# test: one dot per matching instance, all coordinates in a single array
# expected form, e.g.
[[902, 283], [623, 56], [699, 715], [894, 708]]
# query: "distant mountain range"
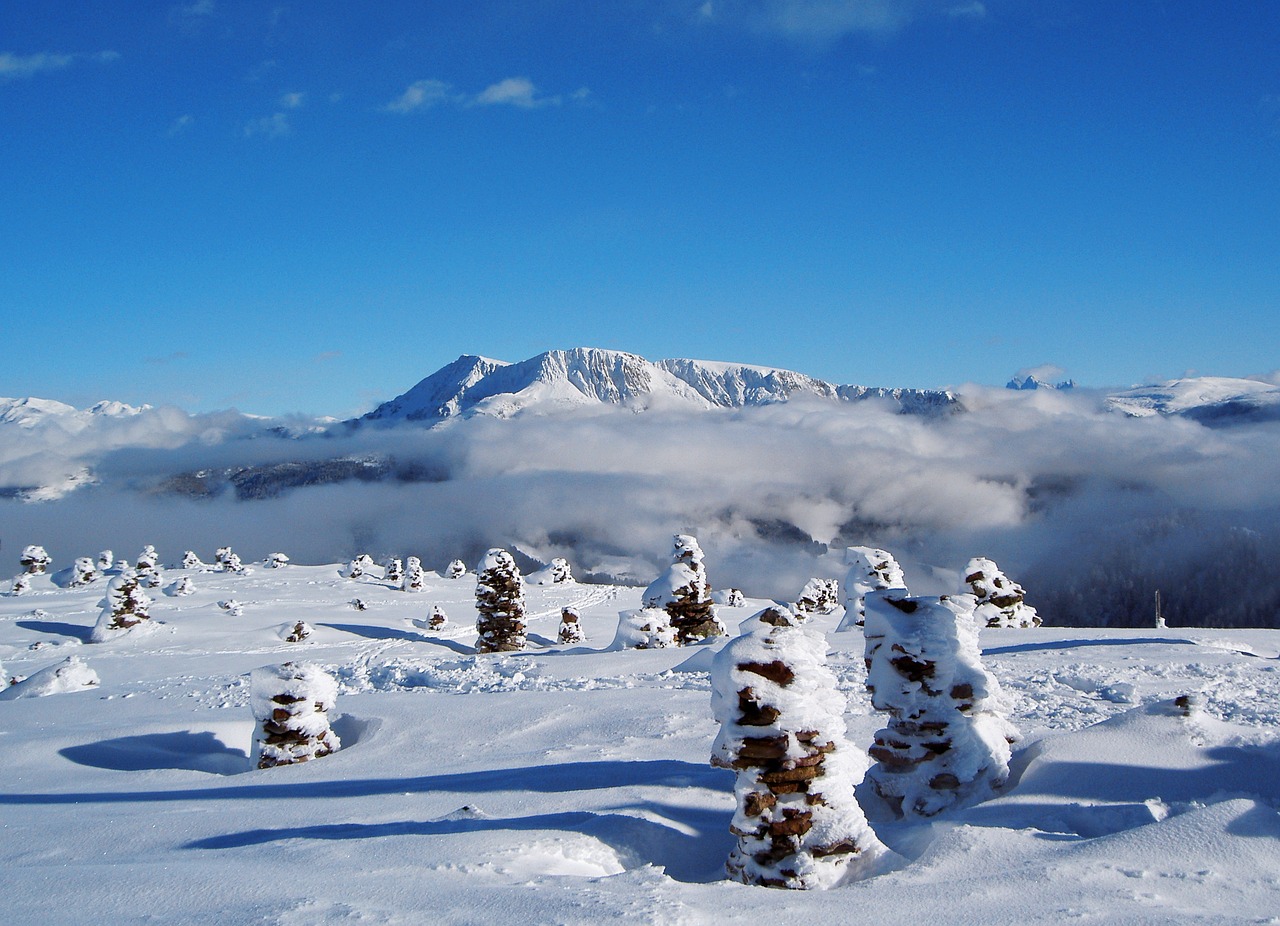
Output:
[[562, 379], [48, 448]]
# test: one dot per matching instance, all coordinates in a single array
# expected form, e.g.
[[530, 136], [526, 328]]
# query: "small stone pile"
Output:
[[127, 606], [276, 561], [1001, 601], [948, 741], [500, 603], [683, 592], [34, 560], [83, 572], [393, 571], [819, 596], [455, 570], [438, 619], [644, 628], [570, 628], [413, 575], [291, 703], [148, 567], [782, 732], [870, 570]]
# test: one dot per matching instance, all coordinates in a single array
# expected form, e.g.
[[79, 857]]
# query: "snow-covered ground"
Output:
[[572, 784]]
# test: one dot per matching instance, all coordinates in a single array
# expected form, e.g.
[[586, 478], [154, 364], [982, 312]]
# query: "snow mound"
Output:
[[72, 674]]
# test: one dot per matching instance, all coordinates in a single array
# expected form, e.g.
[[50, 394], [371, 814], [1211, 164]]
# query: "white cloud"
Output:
[[421, 94], [823, 20], [181, 124], [274, 126], [514, 91], [974, 10], [292, 100], [12, 65]]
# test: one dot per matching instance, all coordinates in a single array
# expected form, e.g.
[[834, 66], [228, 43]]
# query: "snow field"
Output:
[[572, 784]]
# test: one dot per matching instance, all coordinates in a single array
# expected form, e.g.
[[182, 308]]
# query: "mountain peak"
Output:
[[587, 376]]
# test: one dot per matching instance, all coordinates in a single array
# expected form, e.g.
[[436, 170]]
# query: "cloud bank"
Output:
[[1090, 510]]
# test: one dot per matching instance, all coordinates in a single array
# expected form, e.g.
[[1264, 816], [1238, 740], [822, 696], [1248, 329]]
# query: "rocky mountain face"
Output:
[[587, 376]]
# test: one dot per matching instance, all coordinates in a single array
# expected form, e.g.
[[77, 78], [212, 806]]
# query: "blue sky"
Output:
[[310, 206]]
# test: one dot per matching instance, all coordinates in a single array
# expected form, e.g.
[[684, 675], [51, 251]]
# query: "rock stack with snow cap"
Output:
[[500, 601], [781, 720], [947, 742], [34, 560], [127, 607], [870, 569], [1001, 601], [570, 626], [819, 596], [682, 591], [291, 703]]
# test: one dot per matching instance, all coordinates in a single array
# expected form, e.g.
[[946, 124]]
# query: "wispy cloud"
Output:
[[292, 100], [181, 124], [514, 91], [12, 66], [421, 94], [519, 92], [191, 17], [974, 10], [275, 125]]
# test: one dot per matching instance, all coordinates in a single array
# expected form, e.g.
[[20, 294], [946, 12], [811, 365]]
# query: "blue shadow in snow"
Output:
[[1073, 644], [548, 779], [201, 752], [376, 633], [76, 631]]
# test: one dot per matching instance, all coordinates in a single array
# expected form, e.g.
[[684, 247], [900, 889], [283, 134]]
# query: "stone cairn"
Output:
[[683, 592], [1001, 601], [948, 740], [298, 632], [500, 601], [870, 570], [438, 619], [83, 572], [34, 560], [227, 560], [276, 561], [291, 703], [189, 560], [127, 606], [455, 570], [359, 566], [570, 626], [148, 567], [106, 559], [781, 720], [644, 628], [393, 571], [819, 596], [413, 575]]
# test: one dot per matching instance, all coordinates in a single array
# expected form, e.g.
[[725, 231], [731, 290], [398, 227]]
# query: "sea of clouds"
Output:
[[1092, 511]]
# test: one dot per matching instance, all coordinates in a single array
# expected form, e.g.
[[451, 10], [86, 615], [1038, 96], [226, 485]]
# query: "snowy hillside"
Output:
[[572, 784], [1211, 400], [587, 376]]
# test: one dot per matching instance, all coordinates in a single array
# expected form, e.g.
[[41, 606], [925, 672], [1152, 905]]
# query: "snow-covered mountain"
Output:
[[1211, 400], [582, 376], [1026, 383], [30, 412]]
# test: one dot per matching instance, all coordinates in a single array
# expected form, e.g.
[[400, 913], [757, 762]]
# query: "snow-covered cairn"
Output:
[[782, 732], [106, 559], [83, 572], [291, 703], [1001, 601], [947, 741], [556, 572], [456, 570], [438, 619], [359, 566], [682, 591], [276, 561], [190, 560], [870, 570], [500, 601], [127, 607], [21, 584], [570, 626], [819, 596], [227, 560], [413, 576], [644, 628], [148, 567], [393, 570], [34, 560]]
